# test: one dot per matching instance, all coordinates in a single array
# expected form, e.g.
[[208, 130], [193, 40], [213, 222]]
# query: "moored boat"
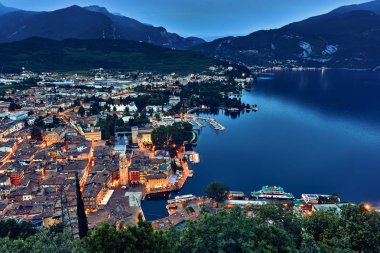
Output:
[[272, 192]]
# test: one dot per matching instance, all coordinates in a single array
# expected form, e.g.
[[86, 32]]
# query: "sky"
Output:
[[203, 18]]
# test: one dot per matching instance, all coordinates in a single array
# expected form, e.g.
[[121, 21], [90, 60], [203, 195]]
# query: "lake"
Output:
[[315, 132]]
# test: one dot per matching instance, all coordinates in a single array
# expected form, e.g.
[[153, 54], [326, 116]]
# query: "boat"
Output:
[[233, 109], [191, 173], [235, 195], [183, 198], [272, 192]]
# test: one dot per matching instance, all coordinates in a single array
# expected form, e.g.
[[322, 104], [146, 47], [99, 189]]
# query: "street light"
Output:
[[366, 207]]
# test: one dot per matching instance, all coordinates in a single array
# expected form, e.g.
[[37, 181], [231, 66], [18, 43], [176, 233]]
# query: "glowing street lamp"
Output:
[[367, 207]]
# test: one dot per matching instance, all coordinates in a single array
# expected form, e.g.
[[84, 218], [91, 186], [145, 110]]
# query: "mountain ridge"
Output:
[[345, 38], [91, 22], [45, 55]]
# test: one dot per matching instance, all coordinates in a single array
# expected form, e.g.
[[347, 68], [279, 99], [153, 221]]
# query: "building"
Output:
[[131, 108], [174, 100], [123, 170], [157, 180], [17, 116], [135, 136], [145, 135], [54, 136], [5, 180], [337, 208], [15, 171], [92, 196], [93, 134], [134, 176]]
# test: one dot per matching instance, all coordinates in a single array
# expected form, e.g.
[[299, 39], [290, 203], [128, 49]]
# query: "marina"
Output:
[[196, 119]]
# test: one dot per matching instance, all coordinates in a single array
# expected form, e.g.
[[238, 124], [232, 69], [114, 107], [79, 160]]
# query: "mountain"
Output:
[[346, 37], [40, 54], [91, 22], [373, 6], [5, 9]]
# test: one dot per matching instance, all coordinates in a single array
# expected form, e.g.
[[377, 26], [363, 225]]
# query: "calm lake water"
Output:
[[315, 132]]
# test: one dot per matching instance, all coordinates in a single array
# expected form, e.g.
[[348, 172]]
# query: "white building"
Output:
[[156, 108], [174, 100], [132, 108], [21, 115]]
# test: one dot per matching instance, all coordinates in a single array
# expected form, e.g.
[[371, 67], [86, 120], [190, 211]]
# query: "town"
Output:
[[124, 137]]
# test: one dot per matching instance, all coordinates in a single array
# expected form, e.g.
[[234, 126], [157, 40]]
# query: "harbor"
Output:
[[188, 207]]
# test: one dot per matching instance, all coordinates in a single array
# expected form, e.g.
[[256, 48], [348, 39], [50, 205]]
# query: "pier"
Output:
[[196, 121], [216, 125]]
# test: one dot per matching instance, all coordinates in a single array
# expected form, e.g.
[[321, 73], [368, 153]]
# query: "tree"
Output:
[[36, 133], [140, 238], [81, 111], [177, 134], [39, 122], [217, 191], [10, 228], [230, 231], [160, 136], [81, 213], [95, 108], [308, 245], [13, 106], [55, 120], [266, 229], [77, 102]]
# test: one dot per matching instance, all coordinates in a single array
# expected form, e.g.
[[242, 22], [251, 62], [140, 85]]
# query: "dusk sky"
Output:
[[203, 18]]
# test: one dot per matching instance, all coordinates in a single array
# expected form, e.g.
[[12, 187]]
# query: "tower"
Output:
[[135, 133], [123, 170]]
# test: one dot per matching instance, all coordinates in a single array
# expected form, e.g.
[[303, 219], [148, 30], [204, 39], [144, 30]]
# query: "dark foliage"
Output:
[[81, 213]]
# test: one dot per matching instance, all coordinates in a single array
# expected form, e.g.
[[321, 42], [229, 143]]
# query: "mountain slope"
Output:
[[373, 6], [39, 54], [337, 39], [5, 9], [86, 23]]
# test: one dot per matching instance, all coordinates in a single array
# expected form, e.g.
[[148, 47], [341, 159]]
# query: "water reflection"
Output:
[[341, 92]]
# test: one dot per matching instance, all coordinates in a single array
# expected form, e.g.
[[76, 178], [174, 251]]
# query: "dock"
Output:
[[216, 125], [213, 123], [196, 121]]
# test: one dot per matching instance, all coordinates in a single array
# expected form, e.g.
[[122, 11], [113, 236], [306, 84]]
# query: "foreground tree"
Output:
[[13, 230], [268, 228], [44, 241], [81, 213], [140, 238], [217, 191], [231, 231]]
